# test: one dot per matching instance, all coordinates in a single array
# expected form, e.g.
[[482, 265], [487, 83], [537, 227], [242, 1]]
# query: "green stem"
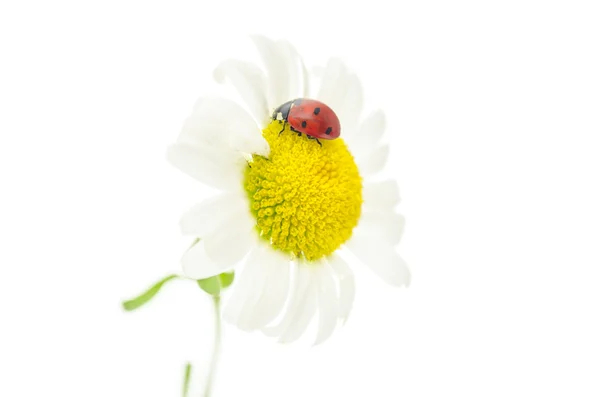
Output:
[[216, 347]]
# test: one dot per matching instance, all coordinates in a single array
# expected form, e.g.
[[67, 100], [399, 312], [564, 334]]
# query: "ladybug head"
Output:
[[282, 112]]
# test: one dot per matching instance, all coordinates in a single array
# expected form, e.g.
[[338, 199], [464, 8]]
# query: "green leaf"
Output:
[[215, 284], [146, 296], [186, 379], [226, 279], [211, 285]]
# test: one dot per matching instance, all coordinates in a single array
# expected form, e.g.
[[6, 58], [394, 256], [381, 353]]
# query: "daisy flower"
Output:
[[290, 210]]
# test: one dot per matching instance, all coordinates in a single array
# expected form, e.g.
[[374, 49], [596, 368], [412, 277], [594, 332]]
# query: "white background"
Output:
[[494, 120]]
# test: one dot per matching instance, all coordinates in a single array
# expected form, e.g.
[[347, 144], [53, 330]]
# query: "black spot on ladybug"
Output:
[[304, 124], [317, 110], [328, 131]]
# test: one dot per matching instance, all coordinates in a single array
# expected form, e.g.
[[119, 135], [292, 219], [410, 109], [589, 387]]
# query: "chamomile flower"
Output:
[[288, 204]]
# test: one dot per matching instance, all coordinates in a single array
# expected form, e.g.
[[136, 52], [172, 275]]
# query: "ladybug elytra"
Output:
[[310, 117]]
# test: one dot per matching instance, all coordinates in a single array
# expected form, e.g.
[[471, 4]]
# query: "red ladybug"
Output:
[[310, 117]]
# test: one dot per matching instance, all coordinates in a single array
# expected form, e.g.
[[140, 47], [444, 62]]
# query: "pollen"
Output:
[[306, 197]]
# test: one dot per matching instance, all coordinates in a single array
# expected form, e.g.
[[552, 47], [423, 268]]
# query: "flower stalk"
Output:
[[212, 369]]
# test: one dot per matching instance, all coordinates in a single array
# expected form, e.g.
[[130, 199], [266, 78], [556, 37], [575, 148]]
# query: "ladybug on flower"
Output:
[[310, 117]]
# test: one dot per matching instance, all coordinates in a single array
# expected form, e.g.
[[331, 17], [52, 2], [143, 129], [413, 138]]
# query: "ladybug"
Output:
[[310, 117]]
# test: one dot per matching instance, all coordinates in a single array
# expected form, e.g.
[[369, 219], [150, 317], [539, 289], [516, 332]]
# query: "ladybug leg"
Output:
[[283, 128], [312, 137], [296, 131]]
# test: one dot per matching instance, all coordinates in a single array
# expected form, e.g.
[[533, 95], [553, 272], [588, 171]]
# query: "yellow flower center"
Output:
[[306, 197]]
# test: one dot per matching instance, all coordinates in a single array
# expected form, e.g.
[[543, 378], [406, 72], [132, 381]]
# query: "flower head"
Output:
[[289, 203], [306, 198]]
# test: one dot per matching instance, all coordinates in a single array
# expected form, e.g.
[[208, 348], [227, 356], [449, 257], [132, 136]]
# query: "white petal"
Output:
[[346, 285], [380, 196], [300, 285], [373, 126], [384, 226], [278, 74], [207, 217], [301, 308], [221, 122], [327, 300], [369, 134], [275, 292], [303, 313], [233, 240], [381, 258], [247, 290], [210, 114], [318, 71], [305, 79], [197, 265], [333, 89], [350, 107], [249, 81], [298, 81], [373, 162], [222, 169], [248, 141]]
